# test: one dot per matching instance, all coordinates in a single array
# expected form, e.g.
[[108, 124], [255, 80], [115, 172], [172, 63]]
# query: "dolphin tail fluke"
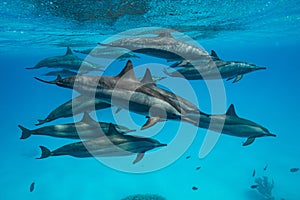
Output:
[[25, 132], [45, 152]]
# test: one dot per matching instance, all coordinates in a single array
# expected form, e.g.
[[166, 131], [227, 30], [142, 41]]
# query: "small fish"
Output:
[[266, 167], [197, 168], [294, 169], [253, 174], [254, 186], [32, 187], [194, 188], [188, 157]]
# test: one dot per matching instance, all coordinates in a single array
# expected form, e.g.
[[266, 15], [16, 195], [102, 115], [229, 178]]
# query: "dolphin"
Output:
[[164, 45], [73, 107], [126, 92], [109, 52], [214, 69], [68, 61], [231, 124], [112, 143], [63, 73], [87, 128]]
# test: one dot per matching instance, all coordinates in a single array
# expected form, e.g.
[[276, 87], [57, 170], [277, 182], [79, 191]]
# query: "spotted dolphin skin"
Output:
[[73, 107], [214, 69], [87, 128], [164, 45], [231, 124], [127, 92], [112, 144], [68, 61]]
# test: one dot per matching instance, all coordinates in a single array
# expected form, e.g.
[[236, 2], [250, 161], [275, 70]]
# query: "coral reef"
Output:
[[265, 187], [144, 197]]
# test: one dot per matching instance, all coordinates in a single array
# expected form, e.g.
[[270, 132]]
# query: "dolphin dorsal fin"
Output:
[[58, 78], [69, 51], [147, 77], [214, 54], [231, 111], [87, 118], [128, 71]]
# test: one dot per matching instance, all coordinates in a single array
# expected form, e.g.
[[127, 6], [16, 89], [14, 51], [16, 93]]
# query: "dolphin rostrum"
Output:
[[73, 107], [109, 52], [112, 143], [127, 92], [68, 61], [164, 45], [215, 69], [231, 124], [87, 128]]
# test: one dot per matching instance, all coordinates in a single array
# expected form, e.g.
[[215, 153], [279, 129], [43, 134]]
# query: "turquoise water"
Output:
[[261, 32]]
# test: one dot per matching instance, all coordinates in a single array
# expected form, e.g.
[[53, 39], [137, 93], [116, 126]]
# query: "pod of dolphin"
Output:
[[141, 96]]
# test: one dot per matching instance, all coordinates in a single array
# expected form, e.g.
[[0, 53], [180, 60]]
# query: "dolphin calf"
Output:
[[127, 92], [109, 52], [73, 107], [164, 45], [68, 61], [87, 128], [215, 69], [112, 144], [234, 126]]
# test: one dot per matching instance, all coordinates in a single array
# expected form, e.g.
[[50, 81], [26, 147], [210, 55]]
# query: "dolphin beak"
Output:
[[50, 82], [271, 134], [162, 145], [261, 68]]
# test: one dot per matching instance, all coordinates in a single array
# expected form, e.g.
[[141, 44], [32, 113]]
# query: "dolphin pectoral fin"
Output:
[[237, 78], [118, 110], [150, 122], [139, 157], [249, 141], [40, 122], [45, 152]]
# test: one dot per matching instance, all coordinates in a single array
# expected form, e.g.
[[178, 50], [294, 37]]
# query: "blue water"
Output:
[[261, 32]]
